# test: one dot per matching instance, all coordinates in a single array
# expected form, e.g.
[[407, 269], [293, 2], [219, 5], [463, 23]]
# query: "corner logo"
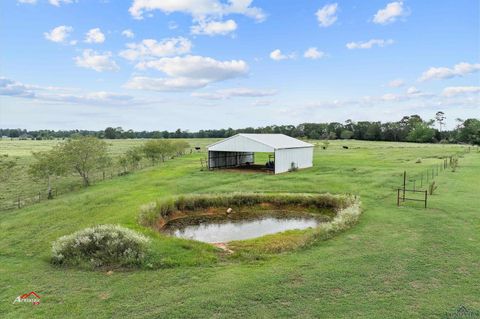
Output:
[[30, 297]]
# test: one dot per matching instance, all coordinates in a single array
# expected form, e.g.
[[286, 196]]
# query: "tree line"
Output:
[[408, 129], [85, 155]]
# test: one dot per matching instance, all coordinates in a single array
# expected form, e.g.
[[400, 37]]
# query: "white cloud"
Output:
[[13, 88], [234, 92], [27, 1], [390, 13], [327, 15], [198, 9], [277, 55], [460, 90], [150, 48], [262, 102], [128, 33], [94, 36], [389, 97], [413, 91], [58, 34], [189, 72], [369, 44], [460, 69], [214, 27], [58, 2], [165, 84], [313, 53], [396, 83], [96, 61]]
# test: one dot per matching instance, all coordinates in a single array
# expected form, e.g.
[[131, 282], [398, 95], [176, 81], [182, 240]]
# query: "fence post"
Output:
[[404, 182], [426, 199], [398, 196], [18, 201]]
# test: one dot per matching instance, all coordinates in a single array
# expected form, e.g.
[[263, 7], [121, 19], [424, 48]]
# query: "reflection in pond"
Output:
[[224, 230]]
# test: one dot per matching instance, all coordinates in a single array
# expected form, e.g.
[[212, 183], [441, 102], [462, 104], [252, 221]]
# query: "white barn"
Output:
[[239, 150]]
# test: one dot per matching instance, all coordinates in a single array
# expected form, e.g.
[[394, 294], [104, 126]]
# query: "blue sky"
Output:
[[200, 64]]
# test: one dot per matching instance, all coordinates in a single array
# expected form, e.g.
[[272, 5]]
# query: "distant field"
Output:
[[21, 186], [405, 262]]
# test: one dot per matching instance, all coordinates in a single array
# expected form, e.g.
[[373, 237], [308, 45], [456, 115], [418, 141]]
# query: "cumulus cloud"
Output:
[[369, 44], [212, 28], [57, 3], [460, 90], [413, 91], [94, 36], [396, 83], [150, 48], [58, 34], [128, 33], [198, 9], [277, 55], [13, 88], [390, 13], [234, 92], [460, 70], [99, 62], [27, 1], [188, 72], [313, 53], [327, 15]]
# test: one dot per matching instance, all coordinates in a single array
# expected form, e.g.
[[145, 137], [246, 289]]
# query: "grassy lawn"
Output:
[[404, 262], [21, 186]]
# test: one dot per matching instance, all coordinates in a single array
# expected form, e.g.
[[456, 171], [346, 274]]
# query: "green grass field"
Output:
[[22, 187], [405, 262]]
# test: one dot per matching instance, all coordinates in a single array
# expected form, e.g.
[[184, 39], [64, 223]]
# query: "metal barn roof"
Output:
[[270, 141]]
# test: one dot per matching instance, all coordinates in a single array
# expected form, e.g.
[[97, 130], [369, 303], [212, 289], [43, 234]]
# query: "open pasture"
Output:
[[405, 262]]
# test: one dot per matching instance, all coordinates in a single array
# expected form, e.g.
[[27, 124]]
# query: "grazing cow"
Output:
[[345, 147]]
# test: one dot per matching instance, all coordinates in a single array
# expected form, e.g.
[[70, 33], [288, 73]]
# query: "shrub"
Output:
[[100, 246]]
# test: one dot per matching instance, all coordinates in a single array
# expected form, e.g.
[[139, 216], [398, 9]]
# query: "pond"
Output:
[[228, 228]]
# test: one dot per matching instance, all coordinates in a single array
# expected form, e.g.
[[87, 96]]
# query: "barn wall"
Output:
[[240, 143], [228, 159], [302, 157]]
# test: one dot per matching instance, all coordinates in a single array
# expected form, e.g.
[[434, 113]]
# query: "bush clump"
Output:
[[100, 246]]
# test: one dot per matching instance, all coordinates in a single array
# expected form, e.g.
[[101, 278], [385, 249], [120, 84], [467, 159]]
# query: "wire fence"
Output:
[[25, 199], [424, 183]]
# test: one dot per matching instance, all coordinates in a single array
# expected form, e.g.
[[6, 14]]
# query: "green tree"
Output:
[[421, 133], [470, 132], [47, 165], [83, 155], [134, 156], [346, 135], [152, 150]]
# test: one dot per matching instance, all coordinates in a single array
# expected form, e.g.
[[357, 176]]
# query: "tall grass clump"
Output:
[[101, 246], [163, 209]]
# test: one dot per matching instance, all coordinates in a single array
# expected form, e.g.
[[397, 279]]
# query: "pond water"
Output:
[[217, 231]]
